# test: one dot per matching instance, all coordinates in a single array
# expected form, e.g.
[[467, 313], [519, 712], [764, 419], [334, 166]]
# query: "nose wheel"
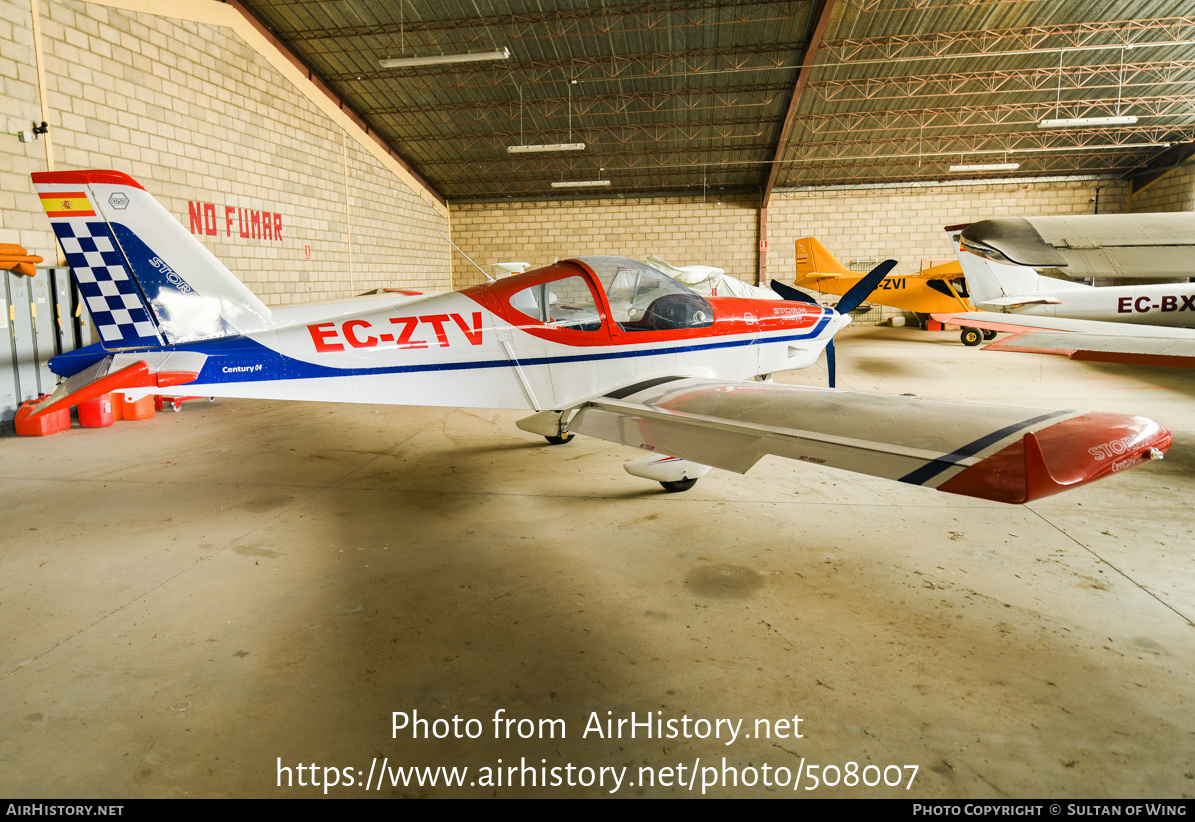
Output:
[[559, 440]]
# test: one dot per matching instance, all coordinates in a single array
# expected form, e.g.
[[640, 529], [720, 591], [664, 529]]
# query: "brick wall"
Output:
[[1174, 191], [901, 223], [715, 232], [906, 224], [21, 217], [196, 115]]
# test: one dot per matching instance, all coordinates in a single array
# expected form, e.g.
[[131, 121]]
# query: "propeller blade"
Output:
[[830, 360], [861, 290], [790, 293]]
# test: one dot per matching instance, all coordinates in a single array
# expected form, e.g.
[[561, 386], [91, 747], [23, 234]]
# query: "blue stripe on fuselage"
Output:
[[242, 359]]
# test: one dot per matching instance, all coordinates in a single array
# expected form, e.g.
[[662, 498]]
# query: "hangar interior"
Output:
[[197, 604]]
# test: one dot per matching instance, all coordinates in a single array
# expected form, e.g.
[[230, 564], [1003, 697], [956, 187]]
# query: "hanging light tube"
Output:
[[545, 147], [1079, 122], [986, 167], [440, 59], [581, 184]]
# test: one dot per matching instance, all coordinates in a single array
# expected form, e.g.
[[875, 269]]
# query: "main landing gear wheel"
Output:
[[989, 334], [678, 485], [971, 336], [560, 440]]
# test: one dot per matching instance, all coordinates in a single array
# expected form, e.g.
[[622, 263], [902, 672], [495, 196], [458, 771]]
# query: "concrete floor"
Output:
[[188, 603]]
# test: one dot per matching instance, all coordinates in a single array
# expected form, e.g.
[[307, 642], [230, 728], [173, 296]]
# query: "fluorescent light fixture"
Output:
[[440, 59], [986, 167], [1076, 122], [581, 184], [546, 147]]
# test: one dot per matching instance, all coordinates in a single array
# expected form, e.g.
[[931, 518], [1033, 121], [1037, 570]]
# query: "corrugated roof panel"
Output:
[[673, 95]]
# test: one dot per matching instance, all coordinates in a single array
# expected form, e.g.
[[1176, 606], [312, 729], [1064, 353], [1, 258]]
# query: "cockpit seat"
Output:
[[673, 311]]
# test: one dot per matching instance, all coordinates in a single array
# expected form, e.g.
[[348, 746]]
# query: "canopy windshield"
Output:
[[635, 292]]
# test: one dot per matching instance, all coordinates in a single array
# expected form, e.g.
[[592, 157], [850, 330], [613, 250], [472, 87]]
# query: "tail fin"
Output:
[[814, 259], [998, 283], [144, 279]]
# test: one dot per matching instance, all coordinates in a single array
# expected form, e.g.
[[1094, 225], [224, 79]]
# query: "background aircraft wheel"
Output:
[[559, 440], [679, 485], [989, 335], [971, 336]]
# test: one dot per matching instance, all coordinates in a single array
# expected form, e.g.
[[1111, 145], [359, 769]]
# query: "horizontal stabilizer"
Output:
[[687, 274], [91, 383], [123, 372]]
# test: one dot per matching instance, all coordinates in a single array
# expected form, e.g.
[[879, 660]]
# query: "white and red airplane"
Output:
[[603, 346]]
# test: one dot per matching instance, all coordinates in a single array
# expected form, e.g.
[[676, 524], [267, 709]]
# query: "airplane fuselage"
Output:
[[1170, 304], [474, 349]]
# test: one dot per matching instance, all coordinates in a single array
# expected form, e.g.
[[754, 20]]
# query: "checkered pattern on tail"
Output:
[[112, 297]]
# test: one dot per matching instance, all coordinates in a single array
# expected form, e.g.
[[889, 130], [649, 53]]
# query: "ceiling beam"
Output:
[[601, 68], [1044, 79], [590, 105], [820, 20], [555, 23], [1104, 34], [1018, 114]]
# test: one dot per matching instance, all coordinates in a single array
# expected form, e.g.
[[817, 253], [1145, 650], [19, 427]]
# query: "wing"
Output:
[[1149, 245], [986, 451], [1089, 340]]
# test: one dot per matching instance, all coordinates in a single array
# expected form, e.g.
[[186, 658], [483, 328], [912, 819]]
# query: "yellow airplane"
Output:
[[936, 289]]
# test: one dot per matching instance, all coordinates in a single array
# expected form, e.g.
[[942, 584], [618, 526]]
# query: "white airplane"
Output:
[[1081, 321], [711, 281], [1144, 246], [603, 346], [1016, 289]]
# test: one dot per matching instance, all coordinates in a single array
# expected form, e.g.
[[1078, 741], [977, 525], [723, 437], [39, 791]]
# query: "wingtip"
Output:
[[1062, 456]]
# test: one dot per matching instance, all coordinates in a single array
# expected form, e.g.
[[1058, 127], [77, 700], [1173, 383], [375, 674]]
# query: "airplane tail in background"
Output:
[[998, 284], [144, 279], [814, 259]]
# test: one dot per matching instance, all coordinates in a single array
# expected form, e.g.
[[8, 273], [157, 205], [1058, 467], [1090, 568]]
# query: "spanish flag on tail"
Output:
[[67, 204]]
